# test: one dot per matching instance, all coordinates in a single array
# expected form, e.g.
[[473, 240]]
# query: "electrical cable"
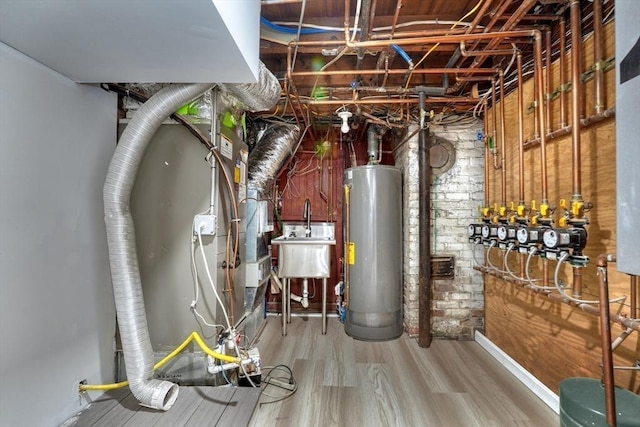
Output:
[[290, 380], [475, 258], [211, 282], [488, 257], [435, 46], [193, 337], [533, 251], [562, 259], [299, 30], [194, 275], [506, 261]]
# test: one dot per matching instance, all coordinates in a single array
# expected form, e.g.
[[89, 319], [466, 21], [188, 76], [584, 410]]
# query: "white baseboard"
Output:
[[532, 383]]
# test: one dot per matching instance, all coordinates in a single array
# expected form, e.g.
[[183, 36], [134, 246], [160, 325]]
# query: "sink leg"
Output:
[[324, 306], [285, 298], [288, 300]]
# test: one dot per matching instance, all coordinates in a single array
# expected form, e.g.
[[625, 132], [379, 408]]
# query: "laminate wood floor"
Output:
[[345, 382], [196, 406]]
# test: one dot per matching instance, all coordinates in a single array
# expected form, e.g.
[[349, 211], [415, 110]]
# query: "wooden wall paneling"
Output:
[[550, 339]]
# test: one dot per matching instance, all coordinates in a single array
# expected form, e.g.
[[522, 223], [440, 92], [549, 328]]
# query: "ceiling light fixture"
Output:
[[344, 115]]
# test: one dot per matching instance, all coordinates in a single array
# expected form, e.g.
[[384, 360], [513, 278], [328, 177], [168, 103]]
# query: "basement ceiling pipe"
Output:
[[123, 257]]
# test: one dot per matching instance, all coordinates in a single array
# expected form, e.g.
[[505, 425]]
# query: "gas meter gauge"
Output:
[[522, 235], [502, 232], [550, 239], [485, 231]]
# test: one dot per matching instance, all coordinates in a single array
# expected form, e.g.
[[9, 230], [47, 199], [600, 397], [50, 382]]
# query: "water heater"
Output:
[[373, 252]]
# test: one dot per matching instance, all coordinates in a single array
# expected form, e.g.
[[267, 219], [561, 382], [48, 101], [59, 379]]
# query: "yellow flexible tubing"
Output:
[[193, 337]]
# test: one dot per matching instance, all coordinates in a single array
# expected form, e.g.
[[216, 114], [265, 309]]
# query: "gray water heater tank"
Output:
[[374, 252]]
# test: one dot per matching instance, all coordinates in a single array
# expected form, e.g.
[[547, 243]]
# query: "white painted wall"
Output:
[[57, 316]]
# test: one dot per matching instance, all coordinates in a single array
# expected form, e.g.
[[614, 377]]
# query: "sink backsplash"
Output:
[[319, 230]]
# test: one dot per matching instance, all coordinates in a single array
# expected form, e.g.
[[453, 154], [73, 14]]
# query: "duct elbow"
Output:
[[154, 394]]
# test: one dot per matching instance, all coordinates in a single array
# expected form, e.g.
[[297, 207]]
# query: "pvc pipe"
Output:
[[294, 297], [305, 293]]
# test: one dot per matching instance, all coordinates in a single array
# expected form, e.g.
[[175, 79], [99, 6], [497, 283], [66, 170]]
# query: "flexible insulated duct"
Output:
[[272, 149], [259, 96], [123, 257], [121, 239]]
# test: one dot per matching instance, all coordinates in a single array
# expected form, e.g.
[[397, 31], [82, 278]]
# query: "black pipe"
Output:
[[424, 232]]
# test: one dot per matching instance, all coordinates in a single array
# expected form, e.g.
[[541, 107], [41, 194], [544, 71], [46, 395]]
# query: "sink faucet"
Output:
[[306, 215]]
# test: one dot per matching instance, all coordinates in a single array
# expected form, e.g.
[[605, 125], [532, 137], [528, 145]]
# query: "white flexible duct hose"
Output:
[[121, 239]]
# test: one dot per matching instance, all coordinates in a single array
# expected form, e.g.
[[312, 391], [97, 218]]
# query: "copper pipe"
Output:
[[513, 20], [535, 17], [494, 124], [418, 33], [563, 36], [520, 132], [479, 16], [543, 136], [536, 134], [605, 334], [487, 29], [487, 189], [576, 93], [597, 56], [503, 160], [548, 81], [475, 79], [375, 72], [623, 321], [545, 272], [395, 18], [464, 52], [633, 283], [606, 114], [386, 101], [453, 38], [577, 282], [372, 16]]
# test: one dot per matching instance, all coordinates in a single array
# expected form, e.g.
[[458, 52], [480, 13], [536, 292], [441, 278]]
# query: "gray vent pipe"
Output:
[[121, 238]]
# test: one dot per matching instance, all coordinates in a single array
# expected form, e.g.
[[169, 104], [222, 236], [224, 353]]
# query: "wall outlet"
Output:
[[207, 225]]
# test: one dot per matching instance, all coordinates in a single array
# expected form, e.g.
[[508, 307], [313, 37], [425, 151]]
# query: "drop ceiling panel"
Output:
[[92, 41]]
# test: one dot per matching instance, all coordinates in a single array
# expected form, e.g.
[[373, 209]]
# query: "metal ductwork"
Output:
[[259, 96], [121, 239], [277, 143]]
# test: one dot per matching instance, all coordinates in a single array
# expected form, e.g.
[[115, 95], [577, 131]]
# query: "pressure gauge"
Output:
[[502, 232], [485, 231], [473, 230], [522, 235], [550, 239]]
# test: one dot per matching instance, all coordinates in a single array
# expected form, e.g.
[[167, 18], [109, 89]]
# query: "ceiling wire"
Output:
[[295, 52], [435, 46]]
